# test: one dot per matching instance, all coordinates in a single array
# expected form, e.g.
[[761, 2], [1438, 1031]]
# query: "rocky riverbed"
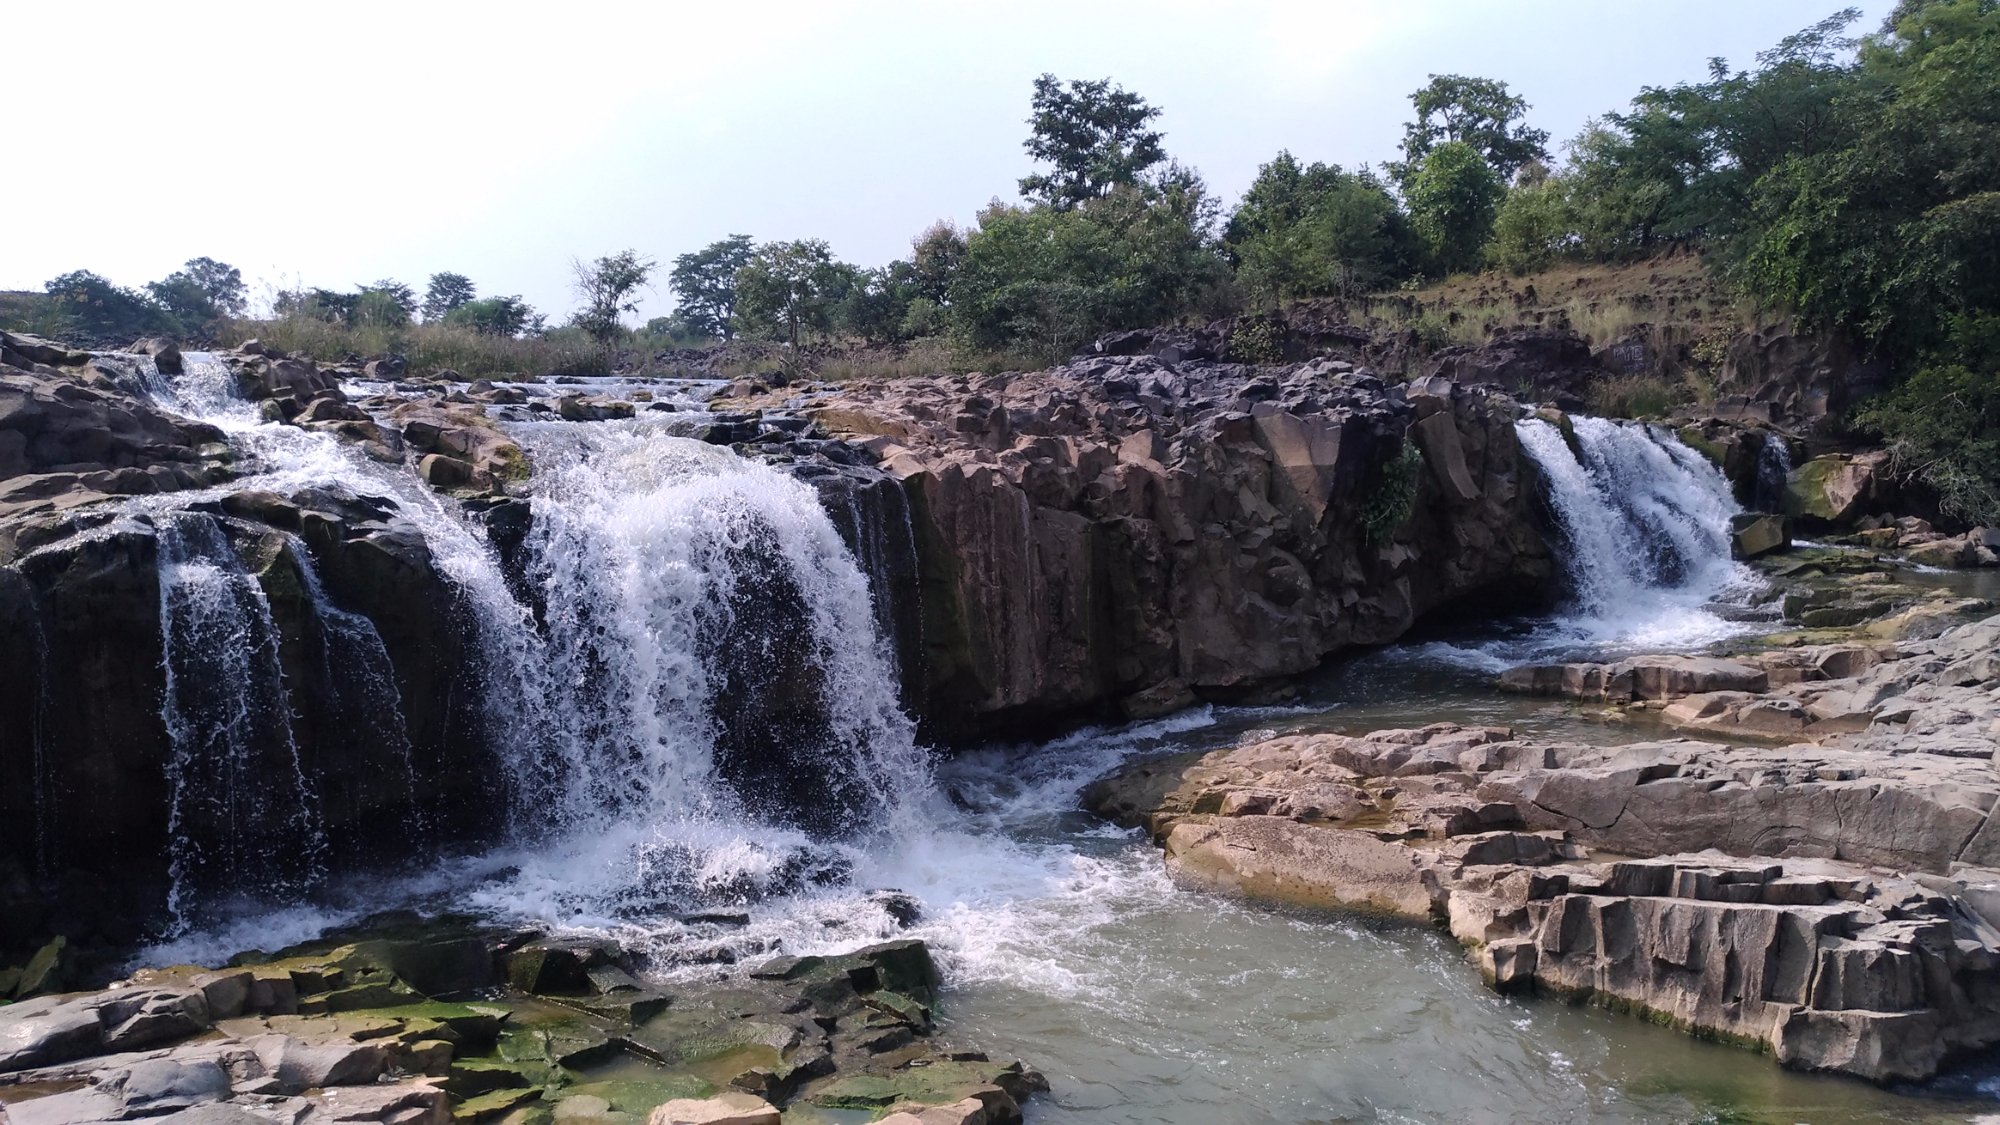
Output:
[[1833, 903], [447, 1022], [252, 566]]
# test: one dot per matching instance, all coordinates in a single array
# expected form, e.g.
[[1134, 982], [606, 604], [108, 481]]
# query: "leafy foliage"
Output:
[[1047, 279], [1480, 112], [1943, 423], [789, 290], [1454, 196], [1314, 230], [201, 293], [609, 288], [93, 307], [494, 316], [446, 291], [1094, 137], [705, 282]]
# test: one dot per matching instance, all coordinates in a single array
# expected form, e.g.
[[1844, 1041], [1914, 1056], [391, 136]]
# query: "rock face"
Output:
[[1126, 535], [1833, 904], [86, 760]]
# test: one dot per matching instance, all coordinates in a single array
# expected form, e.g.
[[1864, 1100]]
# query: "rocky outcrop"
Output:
[[1826, 962], [348, 1030], [74, 434], [1834, 904], [1127, 535]]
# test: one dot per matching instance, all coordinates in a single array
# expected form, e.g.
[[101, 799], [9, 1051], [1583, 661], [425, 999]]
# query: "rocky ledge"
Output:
[[1124, 535], [1834, 904], [469, 1025]]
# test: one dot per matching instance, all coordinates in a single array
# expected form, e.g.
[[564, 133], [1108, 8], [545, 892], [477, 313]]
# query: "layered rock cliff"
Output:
[[1125, 535]]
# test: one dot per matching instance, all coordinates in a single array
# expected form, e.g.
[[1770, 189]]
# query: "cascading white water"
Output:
[[242, 813], [713, 711], [1645, 526], [697, 707], [1642, 530]]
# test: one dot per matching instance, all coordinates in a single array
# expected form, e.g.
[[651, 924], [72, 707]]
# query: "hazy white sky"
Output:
[[333, 144]]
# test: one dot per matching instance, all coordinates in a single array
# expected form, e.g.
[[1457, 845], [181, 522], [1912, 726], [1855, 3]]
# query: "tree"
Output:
[[200, 293], [1313, 230], [1479, 112], [609, 289], [446, 292], [388, 303], [1453, 195], [788, 290], [1536, 223], [91, 306], [706, 284], [493, 316], [934, 259], [1094, 137], [1046, 280]]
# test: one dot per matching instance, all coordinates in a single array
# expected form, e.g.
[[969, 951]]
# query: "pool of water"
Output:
[[1143, 1002]]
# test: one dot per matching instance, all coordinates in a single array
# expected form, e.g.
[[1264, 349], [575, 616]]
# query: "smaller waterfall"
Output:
[[360, 682], [242, 817], [1645, 527], [1774, 471]]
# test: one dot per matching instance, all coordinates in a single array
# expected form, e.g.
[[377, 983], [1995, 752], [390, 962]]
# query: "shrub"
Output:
[[1394, 497]]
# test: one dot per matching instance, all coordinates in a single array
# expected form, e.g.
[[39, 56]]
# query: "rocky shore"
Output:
[[427, 1023], [1834, 903]]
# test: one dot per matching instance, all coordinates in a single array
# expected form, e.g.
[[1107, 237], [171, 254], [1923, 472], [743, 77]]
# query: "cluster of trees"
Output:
[[185, 302], [449, 298]]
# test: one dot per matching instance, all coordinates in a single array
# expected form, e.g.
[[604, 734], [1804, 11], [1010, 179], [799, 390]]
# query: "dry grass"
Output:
[[1670, 301], [429, 348]]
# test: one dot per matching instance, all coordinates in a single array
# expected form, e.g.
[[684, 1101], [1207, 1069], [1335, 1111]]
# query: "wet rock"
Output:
[[1753, 536], [723, 1109], [166, 356]]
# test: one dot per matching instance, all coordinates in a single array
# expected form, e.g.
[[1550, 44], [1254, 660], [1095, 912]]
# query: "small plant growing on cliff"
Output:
[[1256, 341], [1395, 496]]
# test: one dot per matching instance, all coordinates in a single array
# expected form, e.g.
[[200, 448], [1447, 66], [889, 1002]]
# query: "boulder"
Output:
[[1837, 489], [723, 1109], [1754, 535], [165, 354]]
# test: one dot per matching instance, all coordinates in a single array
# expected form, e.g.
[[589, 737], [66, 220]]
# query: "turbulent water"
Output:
[[1642, 523], [674, 593]]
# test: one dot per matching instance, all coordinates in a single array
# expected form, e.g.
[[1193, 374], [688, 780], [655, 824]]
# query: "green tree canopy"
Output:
[[493, 316], [1047, 280], [1314, 230], [789, 290], [609, 288], [201, 292], [1453, 197], [1093, 135], [705, 282], [446, 291], [1480, 112]]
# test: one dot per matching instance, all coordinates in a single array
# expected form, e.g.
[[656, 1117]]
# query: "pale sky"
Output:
[[335, 143]]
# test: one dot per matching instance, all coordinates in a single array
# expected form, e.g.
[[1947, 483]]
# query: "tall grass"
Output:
[[428, 348]]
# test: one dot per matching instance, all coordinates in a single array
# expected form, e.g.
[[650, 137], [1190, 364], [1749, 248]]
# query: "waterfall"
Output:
[[713, 706], [692, 695], [1774, 470], [1644, 525], [360, 682], [242, 815]]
